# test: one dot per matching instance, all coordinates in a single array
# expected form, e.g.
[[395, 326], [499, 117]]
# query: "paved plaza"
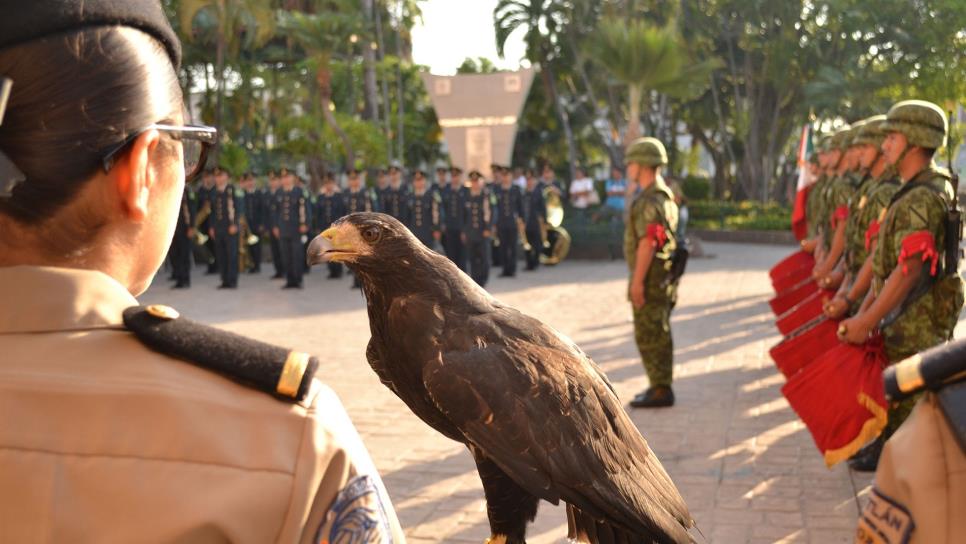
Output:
[[743, 461]]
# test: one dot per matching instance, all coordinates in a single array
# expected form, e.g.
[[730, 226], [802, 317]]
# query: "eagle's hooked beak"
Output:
[[335, 244]]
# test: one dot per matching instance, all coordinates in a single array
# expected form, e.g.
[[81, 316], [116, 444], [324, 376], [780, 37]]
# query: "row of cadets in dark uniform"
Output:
[[256, 215], [509, 202], [478, 224], [535, 219], [423, 208], [330, 205], [290, 226], [453, 197], [227, 211]]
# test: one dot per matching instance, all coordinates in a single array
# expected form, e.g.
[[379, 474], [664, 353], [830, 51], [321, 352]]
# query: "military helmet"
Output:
[[870, 133], [838, 140], [922, 123], [854, 133], [647, 151], [820, 142]]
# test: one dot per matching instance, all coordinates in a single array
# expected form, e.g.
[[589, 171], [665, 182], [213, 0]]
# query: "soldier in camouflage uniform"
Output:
[[867, 208], [913, 302], [648, 245], [835, 206]]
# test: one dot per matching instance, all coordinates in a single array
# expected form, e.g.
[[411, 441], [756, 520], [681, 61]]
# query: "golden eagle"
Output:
[[538, 415]]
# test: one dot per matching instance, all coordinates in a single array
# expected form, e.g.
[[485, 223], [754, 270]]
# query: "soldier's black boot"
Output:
[[654, 397], [867, 459]]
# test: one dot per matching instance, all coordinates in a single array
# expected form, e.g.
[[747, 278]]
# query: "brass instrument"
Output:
[[246, 238], [556, 239], [559, 246], [522, 230], [555, 211], [201, 252], [201, 238]]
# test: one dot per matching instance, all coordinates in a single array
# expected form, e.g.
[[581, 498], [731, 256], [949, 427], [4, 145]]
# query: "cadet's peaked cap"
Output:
[[26, 21], [647, 151], [870, 133], [922, 123]]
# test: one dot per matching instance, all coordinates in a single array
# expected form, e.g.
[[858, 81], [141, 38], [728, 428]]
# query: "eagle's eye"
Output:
[[372, 234]]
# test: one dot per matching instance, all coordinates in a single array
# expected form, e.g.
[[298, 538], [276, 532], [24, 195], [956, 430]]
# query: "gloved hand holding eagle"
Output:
[[539, 417]]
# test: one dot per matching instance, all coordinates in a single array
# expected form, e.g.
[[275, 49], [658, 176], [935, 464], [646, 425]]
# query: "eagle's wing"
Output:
[[542, 411]]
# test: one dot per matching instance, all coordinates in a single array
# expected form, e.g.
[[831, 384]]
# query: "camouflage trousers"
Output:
[[652, 326]]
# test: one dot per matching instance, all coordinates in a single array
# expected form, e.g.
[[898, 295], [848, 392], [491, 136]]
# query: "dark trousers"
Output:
[[335, 270], [255, 253], [305, 250], [180, 255], [536, 244], [454, 248], [479, 257], [277, 256], [508, 248], [293, 255], [226, 255], [496, 250], [213, 265]]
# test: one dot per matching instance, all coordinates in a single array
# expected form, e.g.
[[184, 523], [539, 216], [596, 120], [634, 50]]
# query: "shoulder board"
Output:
[[280, 372]]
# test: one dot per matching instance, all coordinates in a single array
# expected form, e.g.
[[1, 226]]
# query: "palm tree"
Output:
[[647, 58], [236, 24], [320, 36], [541, 20]]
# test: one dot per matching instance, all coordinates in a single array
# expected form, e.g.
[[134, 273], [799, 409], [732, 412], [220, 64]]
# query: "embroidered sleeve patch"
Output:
[[357, 516], [884, 521]]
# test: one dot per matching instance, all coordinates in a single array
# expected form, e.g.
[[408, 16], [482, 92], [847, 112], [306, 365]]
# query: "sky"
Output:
[[452, 30]]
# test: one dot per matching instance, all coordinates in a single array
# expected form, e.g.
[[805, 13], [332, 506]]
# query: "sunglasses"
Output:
[[196, 140]]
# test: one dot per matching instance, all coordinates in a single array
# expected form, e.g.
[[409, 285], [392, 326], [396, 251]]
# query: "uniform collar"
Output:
[[45, 299]]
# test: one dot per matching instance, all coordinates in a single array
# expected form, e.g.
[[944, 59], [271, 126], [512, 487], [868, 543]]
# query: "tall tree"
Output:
[[232, 25], [319, 35], [647, 58], [539, 20]]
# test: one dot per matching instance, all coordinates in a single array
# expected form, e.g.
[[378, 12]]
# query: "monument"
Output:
[[478, 114]]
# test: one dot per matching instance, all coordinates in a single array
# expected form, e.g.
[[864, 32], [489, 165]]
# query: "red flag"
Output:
[[841, 399], [803, 312], [799, 222], [804, 345]]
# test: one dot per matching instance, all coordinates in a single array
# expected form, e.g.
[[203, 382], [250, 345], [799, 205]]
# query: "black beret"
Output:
[[26, 21]]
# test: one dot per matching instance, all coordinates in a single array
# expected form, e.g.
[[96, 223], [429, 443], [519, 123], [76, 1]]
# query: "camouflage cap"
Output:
[[647, 151], [839, 139], [820, 142], [854, 133], [870, 133], [922, 123]]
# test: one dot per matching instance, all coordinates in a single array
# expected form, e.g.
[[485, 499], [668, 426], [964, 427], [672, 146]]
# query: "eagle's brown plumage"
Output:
[[539, 417]]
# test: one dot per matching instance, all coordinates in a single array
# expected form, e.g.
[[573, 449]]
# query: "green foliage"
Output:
[[479, 65], [234, 159], [745, 215], [696, 188]]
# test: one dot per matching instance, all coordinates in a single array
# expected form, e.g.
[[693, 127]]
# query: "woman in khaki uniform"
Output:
[[101, 438]]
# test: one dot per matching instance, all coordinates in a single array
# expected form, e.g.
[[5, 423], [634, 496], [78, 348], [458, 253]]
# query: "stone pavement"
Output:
[[744, 463]]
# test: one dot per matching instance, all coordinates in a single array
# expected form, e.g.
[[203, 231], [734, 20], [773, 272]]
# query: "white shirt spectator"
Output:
[[580, 190]]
